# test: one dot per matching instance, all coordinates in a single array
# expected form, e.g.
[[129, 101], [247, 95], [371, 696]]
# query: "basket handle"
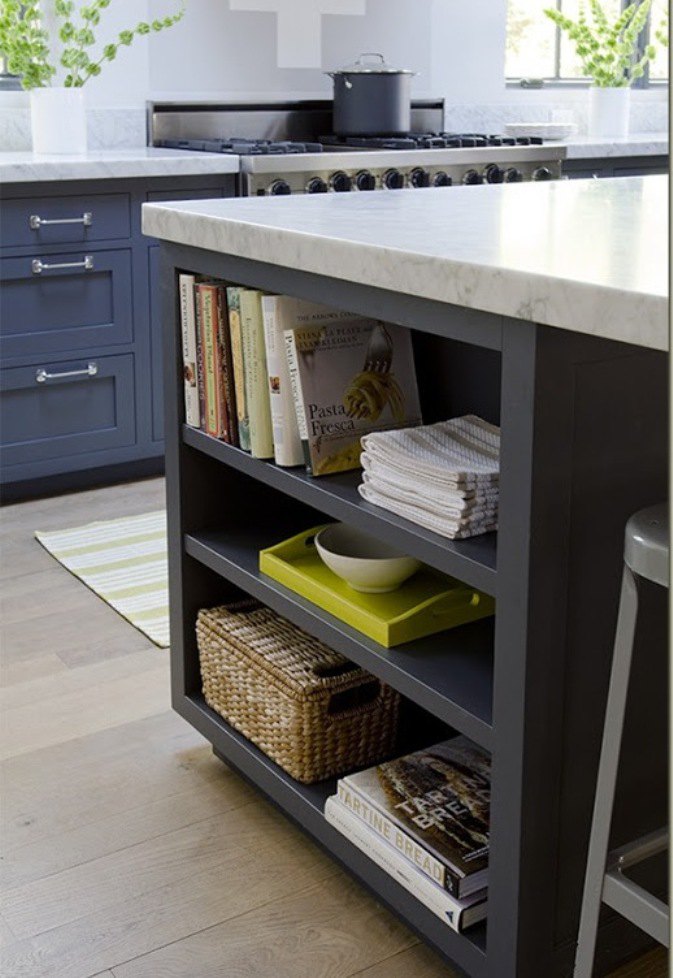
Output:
[[348, 701]]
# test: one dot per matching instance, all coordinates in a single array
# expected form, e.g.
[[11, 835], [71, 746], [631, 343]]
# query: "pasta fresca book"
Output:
[[352, 377]]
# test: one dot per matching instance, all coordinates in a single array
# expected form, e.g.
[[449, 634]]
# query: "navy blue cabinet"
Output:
[[65, 301], [635, 166], [80, 331]]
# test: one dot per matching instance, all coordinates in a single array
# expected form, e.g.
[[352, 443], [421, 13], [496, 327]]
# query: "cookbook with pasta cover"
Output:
[[349, 378]]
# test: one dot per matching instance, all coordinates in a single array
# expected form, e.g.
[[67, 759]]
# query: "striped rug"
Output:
[[124, 562]]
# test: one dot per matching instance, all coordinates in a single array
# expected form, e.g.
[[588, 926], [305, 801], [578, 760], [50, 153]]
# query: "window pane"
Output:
[[659, 67], [531, 39], [571, 66]]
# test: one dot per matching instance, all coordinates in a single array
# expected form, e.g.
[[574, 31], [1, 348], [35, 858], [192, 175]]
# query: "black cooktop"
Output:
[[241, 147], [427, 140]]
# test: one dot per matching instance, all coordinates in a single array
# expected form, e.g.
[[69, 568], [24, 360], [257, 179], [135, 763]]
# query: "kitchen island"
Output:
[[542, 308]]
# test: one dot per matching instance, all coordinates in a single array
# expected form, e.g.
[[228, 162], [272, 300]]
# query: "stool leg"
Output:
[[607, 776]]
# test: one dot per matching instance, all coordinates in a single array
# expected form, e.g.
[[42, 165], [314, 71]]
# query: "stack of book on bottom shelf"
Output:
[[424, 819]]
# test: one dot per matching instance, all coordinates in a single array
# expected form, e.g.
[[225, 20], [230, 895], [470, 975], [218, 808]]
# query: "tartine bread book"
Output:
[[428, 602], [438, 799]]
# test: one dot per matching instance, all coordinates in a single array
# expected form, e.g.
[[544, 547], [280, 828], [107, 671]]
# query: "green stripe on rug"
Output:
[[99, 554]]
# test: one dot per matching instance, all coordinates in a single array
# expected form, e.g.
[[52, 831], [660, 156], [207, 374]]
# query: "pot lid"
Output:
[[371, 64]]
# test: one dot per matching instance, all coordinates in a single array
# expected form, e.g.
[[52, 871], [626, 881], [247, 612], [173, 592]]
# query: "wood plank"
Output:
[[79, 782], [129, 873], [132, 928], [94, 677], [33, 726], [326, 931], [46, 857], [414, 962], [14, 672]]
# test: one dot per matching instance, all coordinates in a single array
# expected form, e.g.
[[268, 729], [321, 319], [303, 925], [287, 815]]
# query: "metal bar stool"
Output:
[[645, 555]]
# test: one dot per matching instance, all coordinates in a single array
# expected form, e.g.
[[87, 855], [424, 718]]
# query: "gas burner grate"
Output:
[[427, 140], [242, 147]]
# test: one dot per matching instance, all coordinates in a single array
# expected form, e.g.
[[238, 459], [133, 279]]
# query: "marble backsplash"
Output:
[[108, 128], [125, 128]]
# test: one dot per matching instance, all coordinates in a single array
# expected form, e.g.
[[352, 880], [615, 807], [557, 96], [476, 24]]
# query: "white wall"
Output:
[[219, 52], [457, 48]]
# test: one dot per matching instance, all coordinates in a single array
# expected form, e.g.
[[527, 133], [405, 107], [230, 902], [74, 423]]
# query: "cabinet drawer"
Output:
[[86, 217], [84, 405], [71, 308]]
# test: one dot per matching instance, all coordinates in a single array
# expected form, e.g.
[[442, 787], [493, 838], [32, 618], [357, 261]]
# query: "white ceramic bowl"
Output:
[[544, 130], [365, 563]]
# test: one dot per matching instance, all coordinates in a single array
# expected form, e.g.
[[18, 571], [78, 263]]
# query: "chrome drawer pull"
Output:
[[90, 370], [36, 222], [40, 266]]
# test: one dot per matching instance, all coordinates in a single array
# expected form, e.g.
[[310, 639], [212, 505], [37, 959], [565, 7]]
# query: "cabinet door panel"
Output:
[[84, 405], [65, 309], [77, 219]]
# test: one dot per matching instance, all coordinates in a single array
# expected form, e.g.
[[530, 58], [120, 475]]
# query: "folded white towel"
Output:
[[389, 475], [459, 453], [445, 526], [440, 503]]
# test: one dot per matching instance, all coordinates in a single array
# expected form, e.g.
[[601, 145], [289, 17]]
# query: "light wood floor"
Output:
[[128, 850]]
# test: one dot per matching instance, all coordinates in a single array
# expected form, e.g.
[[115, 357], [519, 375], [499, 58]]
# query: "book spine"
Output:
[[287, 445], [227, 370], [200, 365], [297, 395], [234, 309], [189, 357], [393, 835], [256, 380], [389, 859], [207, 304]]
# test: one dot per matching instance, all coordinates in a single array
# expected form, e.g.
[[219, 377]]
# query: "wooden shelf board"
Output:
[[449, 674], [472, 561]]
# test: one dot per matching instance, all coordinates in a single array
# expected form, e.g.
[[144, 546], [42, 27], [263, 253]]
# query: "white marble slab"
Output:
[[24, 167], [584, 255], [635, 144]]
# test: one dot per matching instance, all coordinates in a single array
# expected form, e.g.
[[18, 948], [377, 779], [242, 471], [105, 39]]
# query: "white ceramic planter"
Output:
[[609, 111], [58, 120]]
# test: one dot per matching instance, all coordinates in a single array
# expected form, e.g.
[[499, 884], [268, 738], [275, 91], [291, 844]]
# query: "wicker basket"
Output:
[[308, 708]]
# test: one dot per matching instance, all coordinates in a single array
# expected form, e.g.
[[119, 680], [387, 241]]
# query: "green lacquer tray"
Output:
[[428, 602]]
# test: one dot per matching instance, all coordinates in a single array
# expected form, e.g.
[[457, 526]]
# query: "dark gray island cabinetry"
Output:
[[556, 334], [80, 329]]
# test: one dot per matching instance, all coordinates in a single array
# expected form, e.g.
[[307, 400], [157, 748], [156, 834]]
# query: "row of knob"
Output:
[[341, 182]]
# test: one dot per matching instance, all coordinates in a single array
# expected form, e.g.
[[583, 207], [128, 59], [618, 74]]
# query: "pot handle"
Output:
[[370, 54]]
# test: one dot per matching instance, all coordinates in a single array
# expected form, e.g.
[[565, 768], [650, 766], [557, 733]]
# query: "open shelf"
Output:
[[305, 804], [472, 561], [449, 674]]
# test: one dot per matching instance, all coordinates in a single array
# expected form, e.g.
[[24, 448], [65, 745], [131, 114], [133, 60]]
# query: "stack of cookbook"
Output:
[[289, 380], [424, 819]]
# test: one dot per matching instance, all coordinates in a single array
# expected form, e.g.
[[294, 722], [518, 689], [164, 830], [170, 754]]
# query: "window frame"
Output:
[[8, 82], [558, 81]]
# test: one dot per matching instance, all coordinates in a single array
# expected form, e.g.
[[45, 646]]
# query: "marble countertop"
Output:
[[113, 164], [589, 256], [636, 144]]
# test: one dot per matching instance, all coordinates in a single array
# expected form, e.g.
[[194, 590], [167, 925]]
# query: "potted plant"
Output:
[[58, 115], [609, 53]]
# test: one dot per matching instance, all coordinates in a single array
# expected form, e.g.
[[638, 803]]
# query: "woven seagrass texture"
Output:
[[311, 710]]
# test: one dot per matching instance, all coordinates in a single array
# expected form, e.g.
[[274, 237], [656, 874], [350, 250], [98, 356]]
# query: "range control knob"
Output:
[[543, 173], [512, 175], [393, 180], [340, 182], [316, 185], [365, 180], [471, 177], [419, 177], [441, 179], [493, 173], [279, 187]]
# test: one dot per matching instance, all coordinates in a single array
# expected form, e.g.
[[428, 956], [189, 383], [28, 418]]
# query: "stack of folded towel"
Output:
[[445, 477]]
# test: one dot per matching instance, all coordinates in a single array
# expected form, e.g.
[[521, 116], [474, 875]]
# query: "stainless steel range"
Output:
[[285, 148]]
